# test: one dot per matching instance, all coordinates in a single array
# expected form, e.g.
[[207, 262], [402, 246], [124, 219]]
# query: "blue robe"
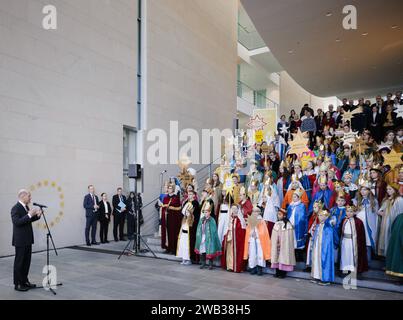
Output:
[[339, 214], [324, 196], [300, 223], [326, 259]]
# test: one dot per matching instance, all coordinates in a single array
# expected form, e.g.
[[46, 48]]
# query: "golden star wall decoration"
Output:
[[299, 144], [393, 159]]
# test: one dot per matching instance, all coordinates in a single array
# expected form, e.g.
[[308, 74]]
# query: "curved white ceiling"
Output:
[[302, 37]]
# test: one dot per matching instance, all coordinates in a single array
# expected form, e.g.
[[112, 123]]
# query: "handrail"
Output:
[[268, 99]]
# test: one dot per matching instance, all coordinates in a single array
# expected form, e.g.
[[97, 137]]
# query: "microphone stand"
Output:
[[137, 235], [48, 236]]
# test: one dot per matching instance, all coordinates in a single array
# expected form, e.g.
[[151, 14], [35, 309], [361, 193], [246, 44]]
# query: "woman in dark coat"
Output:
[[104, 217]]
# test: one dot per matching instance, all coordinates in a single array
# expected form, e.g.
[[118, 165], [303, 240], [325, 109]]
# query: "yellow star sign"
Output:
[[393, 159], [348, 115], [299, 144]]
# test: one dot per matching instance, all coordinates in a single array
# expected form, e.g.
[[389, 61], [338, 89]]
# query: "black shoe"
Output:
[[88, 244], [95, 243], [307, 269], [30, 285], [259, 271], [106, 241], [20, 287], [123, 239], [117, 240], [253, 271]]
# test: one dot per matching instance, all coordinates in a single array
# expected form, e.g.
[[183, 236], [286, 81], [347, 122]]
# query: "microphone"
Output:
[[39, 205]]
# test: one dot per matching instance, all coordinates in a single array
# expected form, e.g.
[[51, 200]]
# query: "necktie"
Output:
[[27, 208]]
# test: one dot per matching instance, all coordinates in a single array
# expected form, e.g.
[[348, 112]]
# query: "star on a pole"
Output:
[[256, 123], [399, 111], [348, 115], [393, 158], [284, 129], [299, 144]]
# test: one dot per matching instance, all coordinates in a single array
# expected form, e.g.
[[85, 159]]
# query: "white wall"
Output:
[[192, 73], [64, 98], [293, 96]]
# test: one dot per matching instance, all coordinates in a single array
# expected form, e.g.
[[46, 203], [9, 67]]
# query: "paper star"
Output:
[[284, 129], [393, 159], [360, 145], [228, 185], [399, 111], [348, 115], [256, 123], [299, 144], [305, 159]]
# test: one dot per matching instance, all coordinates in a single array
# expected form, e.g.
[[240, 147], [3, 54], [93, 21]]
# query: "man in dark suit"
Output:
[[23, 238], [91, 214], [119, 203]]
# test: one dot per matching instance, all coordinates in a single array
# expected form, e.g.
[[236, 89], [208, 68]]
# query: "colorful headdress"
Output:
[[364, 183], [352, 208], [339, 183]]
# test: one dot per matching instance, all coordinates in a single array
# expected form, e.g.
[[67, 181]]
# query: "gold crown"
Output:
[[323, 167], [364, 183], [322, 179], [206, 206], [299, 192], [353, 159], [341, 194], [353, 208], [324, 213], [242, 190], [339, 183], [327, 159]]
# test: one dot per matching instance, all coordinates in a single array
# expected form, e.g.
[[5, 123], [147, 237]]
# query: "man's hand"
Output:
[[123, 210], [96, 207]]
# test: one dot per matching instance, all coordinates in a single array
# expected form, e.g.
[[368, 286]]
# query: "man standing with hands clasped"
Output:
[[119, 203], [91, 214], [23, 238]]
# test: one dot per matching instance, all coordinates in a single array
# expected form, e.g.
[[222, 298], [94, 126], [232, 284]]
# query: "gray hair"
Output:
[[22, 193]]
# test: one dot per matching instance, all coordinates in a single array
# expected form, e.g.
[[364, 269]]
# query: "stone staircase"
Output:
[[375, 278]]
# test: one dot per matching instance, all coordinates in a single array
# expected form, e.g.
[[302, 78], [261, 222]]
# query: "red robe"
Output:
[[362, 263], [171, 221], [246, 208], [238, 244]]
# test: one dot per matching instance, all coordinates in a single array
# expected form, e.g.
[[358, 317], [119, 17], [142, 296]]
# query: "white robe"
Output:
[[223, 222], [272, 205], [183, 250], [347, 261], [370, 223], [255, 251]]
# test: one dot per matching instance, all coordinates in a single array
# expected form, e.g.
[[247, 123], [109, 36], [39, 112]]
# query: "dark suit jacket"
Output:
[[115, 203], [22, 226], [102, 210], [89, 205]]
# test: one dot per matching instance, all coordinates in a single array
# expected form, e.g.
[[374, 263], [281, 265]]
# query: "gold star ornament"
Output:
[[299, 144], [393, 159]]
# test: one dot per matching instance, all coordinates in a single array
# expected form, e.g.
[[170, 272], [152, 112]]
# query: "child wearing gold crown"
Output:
[[323, 250], [353, 254], [297, 215], [207, 245], [183, 250], [368, 213], [324, 194]]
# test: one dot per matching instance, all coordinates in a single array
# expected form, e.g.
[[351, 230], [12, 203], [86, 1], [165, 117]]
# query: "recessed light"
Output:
[[338, 40], [290, 51], [329, 14], [394, 26], [364, 33]]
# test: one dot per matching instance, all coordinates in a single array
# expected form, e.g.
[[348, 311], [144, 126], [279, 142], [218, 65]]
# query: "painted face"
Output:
[[295, 197], [322, 186], [350, 213]]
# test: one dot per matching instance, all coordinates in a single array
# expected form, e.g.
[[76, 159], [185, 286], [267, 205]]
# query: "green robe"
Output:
[[213, 245], [394, 255]]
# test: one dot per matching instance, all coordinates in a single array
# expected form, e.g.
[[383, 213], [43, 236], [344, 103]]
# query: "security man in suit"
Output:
[[23, 238], [119, 203], [91, 206]]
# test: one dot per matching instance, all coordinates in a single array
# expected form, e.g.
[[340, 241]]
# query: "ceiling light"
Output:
[[338, 40], [394, 26], [329, 14], [290, 51], [365, 33]]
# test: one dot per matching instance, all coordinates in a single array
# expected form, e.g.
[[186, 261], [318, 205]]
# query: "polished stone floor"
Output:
[[96, 275]]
